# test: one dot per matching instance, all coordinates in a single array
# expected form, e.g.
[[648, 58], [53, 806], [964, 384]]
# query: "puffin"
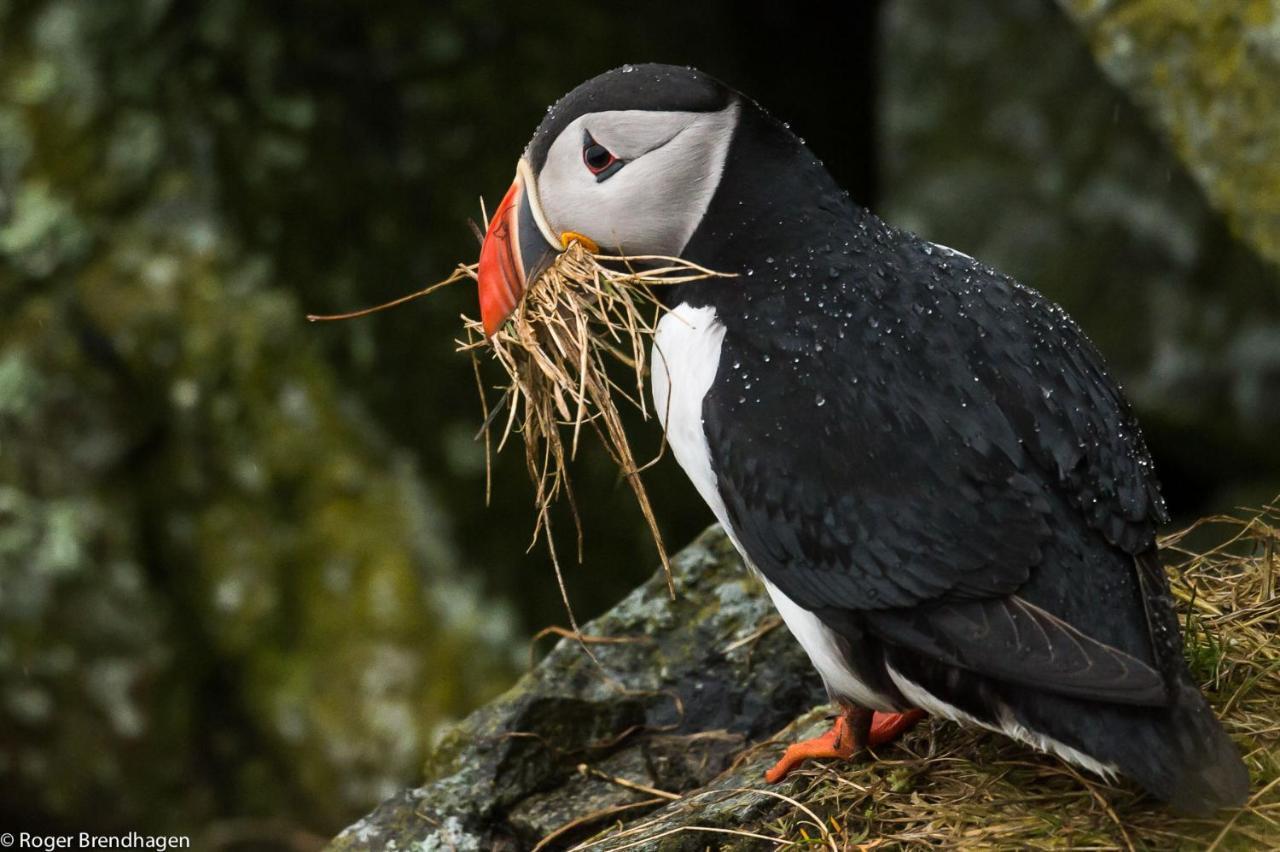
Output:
[[947, 497]]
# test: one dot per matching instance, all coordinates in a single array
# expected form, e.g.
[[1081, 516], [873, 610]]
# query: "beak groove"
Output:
[[515, 252]]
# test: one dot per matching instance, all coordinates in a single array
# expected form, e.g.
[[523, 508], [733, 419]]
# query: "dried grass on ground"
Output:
[[964, 788]]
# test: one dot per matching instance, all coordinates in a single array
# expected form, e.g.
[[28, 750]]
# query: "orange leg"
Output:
[[844, 740]]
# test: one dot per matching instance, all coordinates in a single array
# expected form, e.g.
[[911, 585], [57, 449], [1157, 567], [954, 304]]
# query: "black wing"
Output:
[[1012, 639], [910, 437]]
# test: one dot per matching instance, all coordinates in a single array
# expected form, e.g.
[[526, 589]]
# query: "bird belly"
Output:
[[686, 356], [826, 650], [1002, 722]]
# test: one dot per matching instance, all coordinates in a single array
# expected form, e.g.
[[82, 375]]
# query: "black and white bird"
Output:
[[947, 497]]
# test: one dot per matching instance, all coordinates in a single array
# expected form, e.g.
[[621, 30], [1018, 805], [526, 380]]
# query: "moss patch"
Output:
[[1209, 76]]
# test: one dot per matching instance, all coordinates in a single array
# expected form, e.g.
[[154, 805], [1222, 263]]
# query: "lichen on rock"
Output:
[[674, 695], [1208, 74]]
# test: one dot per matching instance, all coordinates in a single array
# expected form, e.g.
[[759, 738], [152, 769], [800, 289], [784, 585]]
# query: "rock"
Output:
[[1208, 75], [662, 745], [1005, 141], [680, 688]]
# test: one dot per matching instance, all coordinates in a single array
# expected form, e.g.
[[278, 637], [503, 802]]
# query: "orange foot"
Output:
[[887, 727], [841, 740]]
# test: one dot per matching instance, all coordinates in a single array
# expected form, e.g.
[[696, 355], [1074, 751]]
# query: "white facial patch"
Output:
[[654, 203]]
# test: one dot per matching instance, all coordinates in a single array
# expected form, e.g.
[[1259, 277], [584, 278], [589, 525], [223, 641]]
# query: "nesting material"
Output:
[[584, 314]]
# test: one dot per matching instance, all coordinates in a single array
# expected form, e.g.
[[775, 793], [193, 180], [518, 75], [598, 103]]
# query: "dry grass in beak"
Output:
[[583, 313]]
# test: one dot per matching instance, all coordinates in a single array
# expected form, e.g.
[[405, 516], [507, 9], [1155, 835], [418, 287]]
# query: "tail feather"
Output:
[[1178, 753], [1205, 772], [1176, 750]]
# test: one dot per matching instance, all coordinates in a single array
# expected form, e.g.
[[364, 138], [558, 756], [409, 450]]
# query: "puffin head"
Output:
[[626, 163]]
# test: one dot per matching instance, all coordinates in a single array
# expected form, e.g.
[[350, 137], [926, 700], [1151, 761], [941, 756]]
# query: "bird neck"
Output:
[[777, 210]]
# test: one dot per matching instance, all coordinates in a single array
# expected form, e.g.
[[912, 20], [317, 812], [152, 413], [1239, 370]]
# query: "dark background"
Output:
[[247, 569]]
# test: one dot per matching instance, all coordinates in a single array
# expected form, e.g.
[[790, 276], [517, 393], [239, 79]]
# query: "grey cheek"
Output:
[[654, 203]]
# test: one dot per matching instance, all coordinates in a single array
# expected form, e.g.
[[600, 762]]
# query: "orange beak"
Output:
[[514, 253]]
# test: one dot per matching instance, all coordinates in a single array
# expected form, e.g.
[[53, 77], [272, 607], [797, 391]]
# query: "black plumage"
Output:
[[928, 454], [924, 458]]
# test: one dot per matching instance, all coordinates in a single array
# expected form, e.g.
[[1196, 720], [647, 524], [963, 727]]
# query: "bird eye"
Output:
[[598, 159]]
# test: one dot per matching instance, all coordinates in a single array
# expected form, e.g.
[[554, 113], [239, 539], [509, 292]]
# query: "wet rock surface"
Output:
[[680, 692]]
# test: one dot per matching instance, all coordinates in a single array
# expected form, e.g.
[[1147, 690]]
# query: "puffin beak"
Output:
[[516, 250]]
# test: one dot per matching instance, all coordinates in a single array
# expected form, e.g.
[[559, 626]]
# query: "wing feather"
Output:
[[1012, 639], [911, 445]]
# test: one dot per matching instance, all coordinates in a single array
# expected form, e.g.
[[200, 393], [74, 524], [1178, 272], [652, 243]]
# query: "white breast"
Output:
[[686, 356]]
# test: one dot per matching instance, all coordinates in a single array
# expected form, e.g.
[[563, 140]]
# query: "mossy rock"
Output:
[[675, 691], [1006, 141], [221, 587], [1208, 74]]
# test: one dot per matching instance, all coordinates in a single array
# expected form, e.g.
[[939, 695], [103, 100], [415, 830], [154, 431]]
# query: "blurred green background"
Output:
[[246, 570]]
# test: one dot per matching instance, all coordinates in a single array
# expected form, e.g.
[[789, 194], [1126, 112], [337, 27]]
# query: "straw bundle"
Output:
[[583, 314]]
